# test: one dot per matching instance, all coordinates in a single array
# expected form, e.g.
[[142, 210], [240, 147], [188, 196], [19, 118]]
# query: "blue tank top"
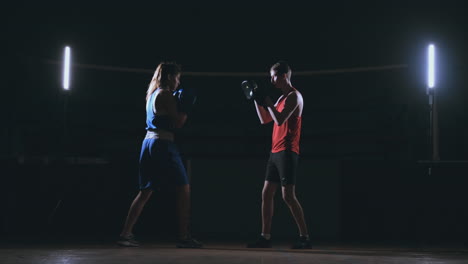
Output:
[[154, 121]]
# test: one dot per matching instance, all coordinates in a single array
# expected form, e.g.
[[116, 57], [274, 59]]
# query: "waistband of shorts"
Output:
[[287, 151], [160, 134]]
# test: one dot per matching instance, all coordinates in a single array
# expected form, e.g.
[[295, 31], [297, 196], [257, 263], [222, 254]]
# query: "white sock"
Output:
[[266, 236], [306, 236]]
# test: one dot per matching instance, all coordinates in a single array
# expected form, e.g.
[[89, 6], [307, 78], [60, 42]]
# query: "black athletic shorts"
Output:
[[282, 167]]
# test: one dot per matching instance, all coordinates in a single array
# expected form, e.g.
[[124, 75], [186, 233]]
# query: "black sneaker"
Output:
[[260, 243], [189, 243], [128, 241], [302, 243]]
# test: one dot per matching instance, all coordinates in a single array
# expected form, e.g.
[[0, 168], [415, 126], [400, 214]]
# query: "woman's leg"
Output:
[[135, 211], [183, 210]]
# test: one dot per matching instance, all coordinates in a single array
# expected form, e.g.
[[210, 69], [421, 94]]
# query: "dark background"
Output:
[[363, 174]]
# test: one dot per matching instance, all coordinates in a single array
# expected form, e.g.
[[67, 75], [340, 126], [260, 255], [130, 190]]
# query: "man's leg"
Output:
[[268, 195], [289, 197]]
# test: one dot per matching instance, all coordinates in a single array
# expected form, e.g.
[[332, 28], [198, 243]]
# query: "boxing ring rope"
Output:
[[236, 74]]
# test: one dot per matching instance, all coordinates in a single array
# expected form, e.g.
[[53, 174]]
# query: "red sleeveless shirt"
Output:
[[286, 136]]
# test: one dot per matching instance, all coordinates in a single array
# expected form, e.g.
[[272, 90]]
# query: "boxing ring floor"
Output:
[[228, 252]]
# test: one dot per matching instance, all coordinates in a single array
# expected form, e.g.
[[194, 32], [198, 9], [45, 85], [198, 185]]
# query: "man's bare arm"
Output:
[[291, 103], [263, 114]]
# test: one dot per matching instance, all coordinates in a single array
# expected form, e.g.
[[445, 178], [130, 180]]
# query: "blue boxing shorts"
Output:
[[160, 164]]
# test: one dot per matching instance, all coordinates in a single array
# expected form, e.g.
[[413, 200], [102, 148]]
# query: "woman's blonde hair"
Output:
[[161, 76]]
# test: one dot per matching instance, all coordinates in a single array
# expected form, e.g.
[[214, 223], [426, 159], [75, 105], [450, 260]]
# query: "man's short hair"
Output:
[[281, 67]]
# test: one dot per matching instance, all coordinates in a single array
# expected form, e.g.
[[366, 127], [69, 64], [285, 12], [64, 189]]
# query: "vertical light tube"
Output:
[[66, 68], [431, 66]]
